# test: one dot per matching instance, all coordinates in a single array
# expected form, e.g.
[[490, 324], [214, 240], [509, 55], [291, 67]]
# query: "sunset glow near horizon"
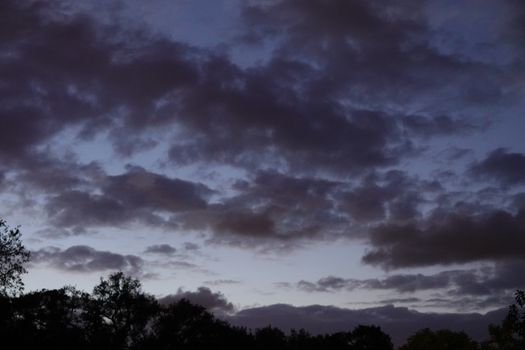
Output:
[[353, 154]]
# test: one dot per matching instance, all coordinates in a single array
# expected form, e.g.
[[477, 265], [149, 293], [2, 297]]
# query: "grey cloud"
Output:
[[439, 125], [213, 301], [86, 76], [383, 52], [503, 166], [393, 194], [179, 264], [340, 97], [135, 83], [326, 284], [400, 300], [399, 322], [400, 283], [271, 208], [135, 196], [498, 281], [455, 238], [221, 282], [280, 210], [75, 207], [141, 188], [191, 246], [282, 130], [165, 249], [81, 258]]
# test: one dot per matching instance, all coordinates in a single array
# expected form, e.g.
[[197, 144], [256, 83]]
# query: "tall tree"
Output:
[[510, 334], [13, 256], [370, 338], [118, 312], [444, 339]]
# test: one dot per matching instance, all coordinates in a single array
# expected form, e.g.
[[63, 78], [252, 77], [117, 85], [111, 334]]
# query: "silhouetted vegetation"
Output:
[[510, 334], [13, 256], [119, 315], [444, 339]]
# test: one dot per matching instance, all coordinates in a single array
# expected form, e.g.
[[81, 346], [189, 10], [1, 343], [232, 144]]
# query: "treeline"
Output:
[[119, 315]]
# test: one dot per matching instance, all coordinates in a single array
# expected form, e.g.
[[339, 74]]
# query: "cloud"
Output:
[[505, 167], [395, 52], [82, 258], [400, 300], [213, 301], [350, 90], [399, 322], [191, 246], [498, 281], [455, 238], [163, 249], [271, 208], [399, 283], [135, 196], [439, 125], [221, 282], [103, 86], [393, 194]]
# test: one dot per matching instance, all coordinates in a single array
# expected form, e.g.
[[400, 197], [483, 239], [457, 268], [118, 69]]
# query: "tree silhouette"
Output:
[[48, 319], [13, 256], [444, 339], [510, 334], [270, 338], [183, 325], [370, 338], [118, 312], [119, 315]]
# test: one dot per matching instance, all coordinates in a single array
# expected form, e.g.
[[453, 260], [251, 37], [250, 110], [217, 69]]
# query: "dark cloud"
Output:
[[180, 264], [221, 282], [280, 210], [439, 125], [506, 167], [400, 300], [81, 258], [62, 70], [455, 238], [499, 280], [383, 52], [399, 322], [393, 194], [349, 89], [141, 188], [191, 246], [213, 301], [271, 207], [262, 111], [135, 196], [165, 249]]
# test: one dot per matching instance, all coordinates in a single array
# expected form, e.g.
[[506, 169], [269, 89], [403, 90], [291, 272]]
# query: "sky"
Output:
[[311, 161]]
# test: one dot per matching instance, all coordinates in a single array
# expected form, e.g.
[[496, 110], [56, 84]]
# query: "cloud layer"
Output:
[[392, 126]]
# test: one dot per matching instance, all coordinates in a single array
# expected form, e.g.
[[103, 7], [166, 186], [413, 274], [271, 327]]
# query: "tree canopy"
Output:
[[510, 334], [118, 314], [13, 257]]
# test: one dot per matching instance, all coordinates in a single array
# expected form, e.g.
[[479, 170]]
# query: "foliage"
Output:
[[118, 312], [510, 334], [119, 315], [427, 339], [13, 256], [370, 338]]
